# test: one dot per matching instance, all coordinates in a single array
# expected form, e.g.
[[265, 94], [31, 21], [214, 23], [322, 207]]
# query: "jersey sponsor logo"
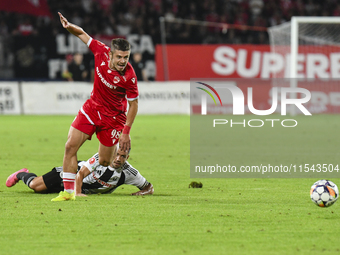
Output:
[[102, 182], [116, 79], [133, 80], [102, 64], [104, 81], [92, 160]]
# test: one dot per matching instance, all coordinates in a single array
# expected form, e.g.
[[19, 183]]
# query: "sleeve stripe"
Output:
[[132, 171], [146, 183], [89, 42], [131, 99]]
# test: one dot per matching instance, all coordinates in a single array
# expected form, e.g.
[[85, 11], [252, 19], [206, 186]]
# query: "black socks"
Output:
[[26, 177]]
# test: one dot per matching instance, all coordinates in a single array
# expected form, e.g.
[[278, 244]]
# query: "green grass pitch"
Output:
[[226, 216]]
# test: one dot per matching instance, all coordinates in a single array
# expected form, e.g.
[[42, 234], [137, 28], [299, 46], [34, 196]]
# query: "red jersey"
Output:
[[111, 90]]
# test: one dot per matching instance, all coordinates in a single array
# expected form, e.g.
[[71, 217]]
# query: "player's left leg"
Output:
[[106, 154]]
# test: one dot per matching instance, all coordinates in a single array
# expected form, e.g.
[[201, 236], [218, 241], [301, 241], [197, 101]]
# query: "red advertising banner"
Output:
[[185, 62], [36, 7]]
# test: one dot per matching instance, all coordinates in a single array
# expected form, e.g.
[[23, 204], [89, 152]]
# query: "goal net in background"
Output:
[[310, 47]]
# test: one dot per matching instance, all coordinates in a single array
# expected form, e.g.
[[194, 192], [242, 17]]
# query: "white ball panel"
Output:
[[325, 196]]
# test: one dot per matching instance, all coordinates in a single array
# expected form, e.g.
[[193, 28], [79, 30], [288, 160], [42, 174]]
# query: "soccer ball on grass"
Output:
[[324, 193]]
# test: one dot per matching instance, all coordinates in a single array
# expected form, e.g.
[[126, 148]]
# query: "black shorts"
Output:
[[53, 181]]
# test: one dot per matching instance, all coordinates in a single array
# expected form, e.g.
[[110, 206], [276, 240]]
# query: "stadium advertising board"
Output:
[[9, 98], [67, 98], [244, 61], [54, 97], [164, 98]]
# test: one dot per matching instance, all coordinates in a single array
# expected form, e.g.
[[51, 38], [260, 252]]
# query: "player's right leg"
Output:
[[75, 140]]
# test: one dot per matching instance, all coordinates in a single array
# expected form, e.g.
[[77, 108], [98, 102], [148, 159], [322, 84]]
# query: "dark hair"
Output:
[[120, 44]]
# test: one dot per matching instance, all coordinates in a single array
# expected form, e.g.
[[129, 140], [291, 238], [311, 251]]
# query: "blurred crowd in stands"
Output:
[[124, 17]]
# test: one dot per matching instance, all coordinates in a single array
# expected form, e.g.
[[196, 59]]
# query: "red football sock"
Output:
[[69, 180]]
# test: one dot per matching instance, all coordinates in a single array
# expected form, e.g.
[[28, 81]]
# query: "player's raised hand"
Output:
[[63, 21]]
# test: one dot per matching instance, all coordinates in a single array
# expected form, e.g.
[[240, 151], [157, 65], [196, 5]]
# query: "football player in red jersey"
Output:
[[115, 84]]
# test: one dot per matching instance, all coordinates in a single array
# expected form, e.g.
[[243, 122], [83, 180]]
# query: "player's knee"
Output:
[[34, 185], [70, 149]]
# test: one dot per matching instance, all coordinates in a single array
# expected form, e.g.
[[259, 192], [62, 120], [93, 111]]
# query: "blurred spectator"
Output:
[[276, 19], [255, 8], [25, 28], [76, 19], [336, 12], [123, 26], [139, 66], [76, 69], [310, 8], [3, 28]]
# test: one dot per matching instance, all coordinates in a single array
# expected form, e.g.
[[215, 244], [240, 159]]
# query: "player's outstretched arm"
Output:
[[83, 172], [148, 190], [74, 29], [125, 140]]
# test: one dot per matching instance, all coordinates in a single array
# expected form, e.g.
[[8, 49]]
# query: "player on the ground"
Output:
[[115, 83], [88, 180]]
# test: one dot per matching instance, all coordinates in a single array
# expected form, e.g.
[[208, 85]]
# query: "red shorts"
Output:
[[107, 128]]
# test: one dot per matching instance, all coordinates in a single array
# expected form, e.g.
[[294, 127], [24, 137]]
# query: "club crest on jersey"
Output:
[[109, 71], [133, 80], [102, 64], [92, 160], [116, 79]]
